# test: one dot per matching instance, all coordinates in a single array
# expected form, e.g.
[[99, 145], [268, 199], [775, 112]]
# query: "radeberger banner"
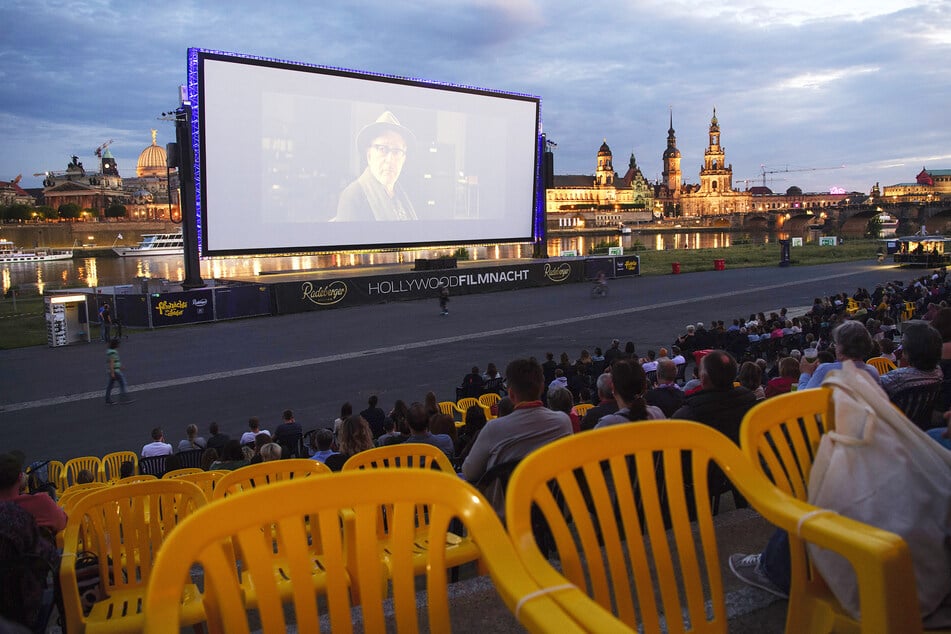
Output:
[[293, 297]]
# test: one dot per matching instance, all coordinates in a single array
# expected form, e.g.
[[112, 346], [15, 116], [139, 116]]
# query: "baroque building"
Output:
[[12, 194], [929, 185], [606, 200], [148, 190], [94, 191], [715, 195]]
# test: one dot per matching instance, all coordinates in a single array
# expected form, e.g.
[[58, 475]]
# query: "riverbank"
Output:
[[24, 324]]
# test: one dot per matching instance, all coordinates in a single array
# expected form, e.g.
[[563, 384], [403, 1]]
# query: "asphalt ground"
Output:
[[52, 399]]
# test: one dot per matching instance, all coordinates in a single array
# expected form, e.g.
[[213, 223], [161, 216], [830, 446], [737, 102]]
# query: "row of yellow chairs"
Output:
[[459, 408], [105, 469], [604, 496], [608, 498]]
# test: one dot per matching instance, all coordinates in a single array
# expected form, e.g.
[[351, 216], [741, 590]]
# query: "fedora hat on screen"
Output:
[[386, 121]]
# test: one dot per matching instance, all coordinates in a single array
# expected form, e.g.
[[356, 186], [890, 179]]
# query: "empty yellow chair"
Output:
[[619, 506], [54, 474], [112, 464], [280, 510], [263, 473], [582, 408], [72, 468], [448, 407], [882, 364], [410, 455], [125, 526], [180, 472], [780, 436], [206, 480], [487, 401]]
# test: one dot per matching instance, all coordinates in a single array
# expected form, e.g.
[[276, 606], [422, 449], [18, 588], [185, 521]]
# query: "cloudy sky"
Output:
[[801, 85]]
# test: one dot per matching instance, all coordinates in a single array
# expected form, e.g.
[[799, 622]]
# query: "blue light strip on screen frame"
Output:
[[538, 215], [196, 141]]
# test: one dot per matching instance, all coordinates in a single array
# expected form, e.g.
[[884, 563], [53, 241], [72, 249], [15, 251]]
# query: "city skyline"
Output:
[[858, 84]]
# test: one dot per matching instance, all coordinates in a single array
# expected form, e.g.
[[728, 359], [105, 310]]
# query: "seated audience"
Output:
[[630, 384], [472, 385], [788, 376], [232, 457], [494, 381], [85, 476], [505, 407], [390, 435], [324, 440], [259, 441], [289, 432], [126, 469], [444, 424], [606, 403], [667, 395], [271, 451], [216, 440], [529, 426], [192, 439], [374, 416], [420, 432], [13, 481], [853, 345], [919, 371], [355, 436], [158, 446], [718, 404], [254, 428], [561, 400], [210, 457], [346, 411], [475, 421], [750, 376]]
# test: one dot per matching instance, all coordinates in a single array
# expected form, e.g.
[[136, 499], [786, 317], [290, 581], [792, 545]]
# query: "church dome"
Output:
[[152, 160], [671, 152], [604, 149]]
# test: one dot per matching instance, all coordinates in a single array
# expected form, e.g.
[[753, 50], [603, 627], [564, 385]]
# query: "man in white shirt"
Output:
[[158, 446], [254, 428]]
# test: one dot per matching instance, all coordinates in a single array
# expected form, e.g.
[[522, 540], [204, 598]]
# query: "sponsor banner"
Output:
[[595, 266], [171, 309], [233, 302], [627, 265], [292, 297]]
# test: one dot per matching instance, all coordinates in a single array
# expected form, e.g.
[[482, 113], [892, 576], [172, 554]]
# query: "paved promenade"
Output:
[[51, 400]]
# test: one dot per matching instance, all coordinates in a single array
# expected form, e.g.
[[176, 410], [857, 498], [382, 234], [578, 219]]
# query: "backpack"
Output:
[[38, 478], [28, 562]]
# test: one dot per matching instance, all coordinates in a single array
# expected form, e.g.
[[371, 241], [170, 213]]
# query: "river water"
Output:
[[110, 271]]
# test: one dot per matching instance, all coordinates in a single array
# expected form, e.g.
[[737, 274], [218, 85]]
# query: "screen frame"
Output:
[[195, 95]]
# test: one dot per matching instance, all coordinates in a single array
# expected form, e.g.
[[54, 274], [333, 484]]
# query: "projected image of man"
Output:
[[377, 194]]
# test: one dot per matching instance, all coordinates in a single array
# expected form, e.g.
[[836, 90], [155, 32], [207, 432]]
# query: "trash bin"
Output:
[[719, 265], [675, 267]]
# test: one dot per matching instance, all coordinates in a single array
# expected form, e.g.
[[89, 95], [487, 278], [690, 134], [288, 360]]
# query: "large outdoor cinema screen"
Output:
[[296, 158]]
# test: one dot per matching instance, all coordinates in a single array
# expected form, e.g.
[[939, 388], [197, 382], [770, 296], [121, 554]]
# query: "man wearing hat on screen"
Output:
[[376, 194]]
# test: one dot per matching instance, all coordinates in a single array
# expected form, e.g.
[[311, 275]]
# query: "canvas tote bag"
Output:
[[877, 467]]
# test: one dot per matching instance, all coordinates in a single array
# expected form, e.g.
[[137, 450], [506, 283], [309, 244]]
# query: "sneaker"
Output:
[[747, 569]]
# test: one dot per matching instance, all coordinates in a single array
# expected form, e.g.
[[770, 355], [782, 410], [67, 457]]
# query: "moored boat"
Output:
[[10, 253], [154, 244]]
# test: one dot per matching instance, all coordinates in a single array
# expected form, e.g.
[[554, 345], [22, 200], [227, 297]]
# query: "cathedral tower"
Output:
[[715, 175], [672, 177], [604, 176]]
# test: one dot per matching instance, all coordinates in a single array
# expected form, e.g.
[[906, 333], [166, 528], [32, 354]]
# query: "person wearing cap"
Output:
[[376, 194], [41, 506]]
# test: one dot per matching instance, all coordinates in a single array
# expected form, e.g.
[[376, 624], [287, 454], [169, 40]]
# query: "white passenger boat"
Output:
[[154, 244], [11, 253]]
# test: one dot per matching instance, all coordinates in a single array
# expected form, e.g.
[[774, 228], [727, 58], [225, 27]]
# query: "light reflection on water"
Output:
[[111, 271]]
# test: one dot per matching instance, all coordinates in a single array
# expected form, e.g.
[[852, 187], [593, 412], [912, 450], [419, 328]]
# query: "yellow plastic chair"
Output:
[[75, 465], [263, 473], [125, 527], [459, 549], [68, 498], [132, 479], [608, 498], [780, 436], [882, 364], [54, 474], [112, 464], [412, 455], [464, 404], [282, 508], [180, 472], [206, 480], [582, 408], [487, 401], [448, 407]]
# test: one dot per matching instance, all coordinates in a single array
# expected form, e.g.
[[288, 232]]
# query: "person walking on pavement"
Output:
[[115, 374], [105, 321], [444, 299]]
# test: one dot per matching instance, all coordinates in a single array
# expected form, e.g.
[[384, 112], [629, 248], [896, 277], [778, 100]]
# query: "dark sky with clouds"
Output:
[[859, 83]]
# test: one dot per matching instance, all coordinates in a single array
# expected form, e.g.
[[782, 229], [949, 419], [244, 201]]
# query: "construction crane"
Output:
[[764, 171], [746, 181], [102, 147]]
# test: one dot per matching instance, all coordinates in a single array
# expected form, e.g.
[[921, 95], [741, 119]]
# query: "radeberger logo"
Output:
[[200, 303], [559, 272], [324, 295]]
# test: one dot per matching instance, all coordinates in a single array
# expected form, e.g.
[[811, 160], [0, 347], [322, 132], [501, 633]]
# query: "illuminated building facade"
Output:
[[929, 185], [96, 190], [714, 196], [605, 201], [12, 194], [148, 191]]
